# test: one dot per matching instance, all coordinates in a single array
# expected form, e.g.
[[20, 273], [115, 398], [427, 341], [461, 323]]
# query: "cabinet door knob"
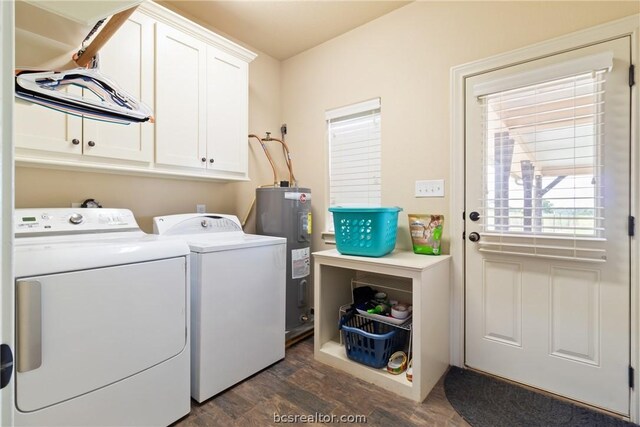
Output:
[[204, 159], [91, 144], [211, 160], [75, 141]]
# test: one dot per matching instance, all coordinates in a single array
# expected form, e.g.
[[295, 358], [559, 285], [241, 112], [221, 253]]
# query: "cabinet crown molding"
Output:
[[169, 17]]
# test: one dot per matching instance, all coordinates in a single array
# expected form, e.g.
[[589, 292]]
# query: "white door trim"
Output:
[[6, 198], [625, 26]]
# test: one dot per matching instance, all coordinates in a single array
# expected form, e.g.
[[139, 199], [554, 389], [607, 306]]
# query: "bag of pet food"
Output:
[[426, 233]]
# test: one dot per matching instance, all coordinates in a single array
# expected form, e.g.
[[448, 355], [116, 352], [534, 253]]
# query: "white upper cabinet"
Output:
[[128, 60], [196, 83], [227, 111], [180, 98], [201, 105], [45, 130]]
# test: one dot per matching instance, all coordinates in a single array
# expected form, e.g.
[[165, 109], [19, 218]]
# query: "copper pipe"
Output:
[[246, 216], [273, 166], [287, 156]]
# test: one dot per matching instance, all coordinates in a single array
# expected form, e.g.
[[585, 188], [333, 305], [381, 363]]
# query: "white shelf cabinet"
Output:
[[127, 59], [227, 112], [208, 127], [181, 98], [429, 278], [47, 134], [197, 83]]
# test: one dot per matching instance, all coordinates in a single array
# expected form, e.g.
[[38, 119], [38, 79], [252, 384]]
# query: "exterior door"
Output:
[[546, 221]]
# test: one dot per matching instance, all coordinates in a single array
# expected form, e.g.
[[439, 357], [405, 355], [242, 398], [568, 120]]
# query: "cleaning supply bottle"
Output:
[[379, 309]]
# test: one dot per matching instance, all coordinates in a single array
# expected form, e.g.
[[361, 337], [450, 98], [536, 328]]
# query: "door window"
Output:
[[542, 161]]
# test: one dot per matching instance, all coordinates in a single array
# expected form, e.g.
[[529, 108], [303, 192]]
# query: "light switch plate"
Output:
[[201, 208], [430, 188]]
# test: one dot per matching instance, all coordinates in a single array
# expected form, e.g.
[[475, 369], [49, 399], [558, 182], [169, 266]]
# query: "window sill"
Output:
[[329, 237]]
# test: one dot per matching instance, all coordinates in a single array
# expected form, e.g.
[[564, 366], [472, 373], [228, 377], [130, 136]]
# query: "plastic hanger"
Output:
[[113, 104]]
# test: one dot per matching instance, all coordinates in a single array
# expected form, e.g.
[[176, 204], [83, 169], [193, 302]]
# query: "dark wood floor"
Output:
[[299, 385]]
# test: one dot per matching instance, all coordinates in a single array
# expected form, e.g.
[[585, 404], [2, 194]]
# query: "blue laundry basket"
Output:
[[365, 231], [370, 342]]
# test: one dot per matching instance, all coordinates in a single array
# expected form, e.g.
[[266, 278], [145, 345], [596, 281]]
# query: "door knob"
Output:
[[474, 216], [75, 141], [474, 237], [204, 159], [211, 160], [91, 144]]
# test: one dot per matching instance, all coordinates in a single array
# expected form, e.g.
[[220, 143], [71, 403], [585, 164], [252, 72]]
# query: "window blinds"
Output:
[[354, 155], [542, 167]]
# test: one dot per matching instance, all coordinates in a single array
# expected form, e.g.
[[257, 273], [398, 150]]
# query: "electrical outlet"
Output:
[[431, 188], [201, 208]]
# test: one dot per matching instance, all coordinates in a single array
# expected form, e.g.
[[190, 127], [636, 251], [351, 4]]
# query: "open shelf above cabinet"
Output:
[[84, 12]]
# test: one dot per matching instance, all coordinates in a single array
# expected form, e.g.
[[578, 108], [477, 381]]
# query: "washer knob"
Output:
[[76, 218]]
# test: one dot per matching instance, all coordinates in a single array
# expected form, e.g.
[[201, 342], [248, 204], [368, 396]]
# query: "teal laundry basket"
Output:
[[365, 231]]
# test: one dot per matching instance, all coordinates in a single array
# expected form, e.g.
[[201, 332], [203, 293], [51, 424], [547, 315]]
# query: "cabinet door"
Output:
[[47, 130], [127, 59], [180, 98], [227, 111]]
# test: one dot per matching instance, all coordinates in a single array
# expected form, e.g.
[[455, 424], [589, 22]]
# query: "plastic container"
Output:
[[365, 231], [370, 342]]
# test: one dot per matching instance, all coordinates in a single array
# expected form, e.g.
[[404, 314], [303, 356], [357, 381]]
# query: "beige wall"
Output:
[[405, 58], [148, 197]]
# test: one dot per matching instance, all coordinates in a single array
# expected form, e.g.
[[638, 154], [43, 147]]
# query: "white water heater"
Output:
[[286, 212]]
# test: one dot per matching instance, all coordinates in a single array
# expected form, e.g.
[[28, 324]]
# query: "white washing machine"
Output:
[[237, 299], [102, 327]]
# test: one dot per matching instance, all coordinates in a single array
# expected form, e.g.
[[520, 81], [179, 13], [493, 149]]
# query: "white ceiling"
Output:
[[283, 29]]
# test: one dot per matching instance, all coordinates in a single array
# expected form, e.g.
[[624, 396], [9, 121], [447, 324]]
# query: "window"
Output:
[[353, 134], [543, 161]]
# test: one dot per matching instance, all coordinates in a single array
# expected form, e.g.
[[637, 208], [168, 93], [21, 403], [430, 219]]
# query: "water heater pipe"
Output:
[[273, 166], [292, 178]]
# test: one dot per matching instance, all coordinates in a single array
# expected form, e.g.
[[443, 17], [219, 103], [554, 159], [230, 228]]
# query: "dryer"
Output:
[[102, 327], [237, 299]]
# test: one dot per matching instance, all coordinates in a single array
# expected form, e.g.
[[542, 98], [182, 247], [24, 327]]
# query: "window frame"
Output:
[[363, 108], [536, 227]]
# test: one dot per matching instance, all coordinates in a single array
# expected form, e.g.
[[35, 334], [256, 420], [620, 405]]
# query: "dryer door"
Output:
[[80, 331]]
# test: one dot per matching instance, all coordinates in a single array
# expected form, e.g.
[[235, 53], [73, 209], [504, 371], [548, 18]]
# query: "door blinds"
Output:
[[354, 155], [543, 168]]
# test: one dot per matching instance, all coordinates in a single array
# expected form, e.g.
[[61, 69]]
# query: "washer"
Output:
[[237, 299], [102, 325]]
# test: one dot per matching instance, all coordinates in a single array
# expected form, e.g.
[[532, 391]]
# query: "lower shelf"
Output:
[[333, 354]]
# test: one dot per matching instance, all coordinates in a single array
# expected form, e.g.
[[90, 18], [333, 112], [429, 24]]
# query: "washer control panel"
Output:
[[62, 220], [196, 224]]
